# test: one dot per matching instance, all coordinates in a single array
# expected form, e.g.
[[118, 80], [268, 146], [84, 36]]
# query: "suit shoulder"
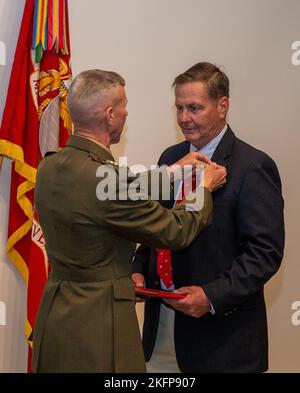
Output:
[[249, 153], [174, 152], [246, 159]]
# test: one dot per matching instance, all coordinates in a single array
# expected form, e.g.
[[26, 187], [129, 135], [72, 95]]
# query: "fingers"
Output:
[[220, 185], [180, 305], [185, 290], [214, 176], [195, 304], [222, 182], [138, 280], [175, 303], [193, 158], [202, 158]]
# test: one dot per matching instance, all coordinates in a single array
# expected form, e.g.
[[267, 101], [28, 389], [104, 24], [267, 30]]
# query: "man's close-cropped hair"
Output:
[[88, 92]]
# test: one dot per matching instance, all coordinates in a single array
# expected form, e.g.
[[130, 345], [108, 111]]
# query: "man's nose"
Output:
[[184, 116]]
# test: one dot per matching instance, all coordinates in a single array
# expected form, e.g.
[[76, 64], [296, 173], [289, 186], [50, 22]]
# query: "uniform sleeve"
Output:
[[147, 222], [156, 183]]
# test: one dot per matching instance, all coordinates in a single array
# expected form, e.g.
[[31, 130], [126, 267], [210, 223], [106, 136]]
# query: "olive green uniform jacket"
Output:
[[86, 320]]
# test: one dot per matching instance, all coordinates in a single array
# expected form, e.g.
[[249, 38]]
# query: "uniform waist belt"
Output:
[[103, 273]]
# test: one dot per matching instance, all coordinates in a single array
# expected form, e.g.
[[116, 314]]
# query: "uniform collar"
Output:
[[89, 146]]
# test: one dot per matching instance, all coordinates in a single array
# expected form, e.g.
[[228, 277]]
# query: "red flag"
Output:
[[35, 120]]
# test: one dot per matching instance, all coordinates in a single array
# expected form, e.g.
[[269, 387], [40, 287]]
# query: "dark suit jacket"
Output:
[[232, 260]]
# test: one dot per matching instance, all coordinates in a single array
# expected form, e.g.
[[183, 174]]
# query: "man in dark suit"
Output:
[[221, 325]]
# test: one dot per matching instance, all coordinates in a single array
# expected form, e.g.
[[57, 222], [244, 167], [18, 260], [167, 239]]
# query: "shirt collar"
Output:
[[209, 149]]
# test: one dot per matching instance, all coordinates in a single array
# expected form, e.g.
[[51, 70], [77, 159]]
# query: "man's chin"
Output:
[[190, 137]]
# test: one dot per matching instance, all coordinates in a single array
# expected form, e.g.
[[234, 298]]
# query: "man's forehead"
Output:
[[191, 91]]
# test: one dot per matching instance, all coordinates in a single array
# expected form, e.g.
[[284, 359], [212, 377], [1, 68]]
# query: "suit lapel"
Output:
[[221, 154], [183, 150], [224, 148]]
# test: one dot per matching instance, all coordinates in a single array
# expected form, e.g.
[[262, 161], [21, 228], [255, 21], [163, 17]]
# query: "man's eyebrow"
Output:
[[196, 104]]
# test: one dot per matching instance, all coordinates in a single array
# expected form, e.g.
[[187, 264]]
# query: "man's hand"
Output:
[[192, 159], [194, 304], [214, 176], [138, 281]]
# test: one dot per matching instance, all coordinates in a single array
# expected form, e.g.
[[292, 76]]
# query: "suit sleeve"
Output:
[[260, 228]]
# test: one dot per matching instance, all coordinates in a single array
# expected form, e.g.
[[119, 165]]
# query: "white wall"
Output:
[[149, 43]]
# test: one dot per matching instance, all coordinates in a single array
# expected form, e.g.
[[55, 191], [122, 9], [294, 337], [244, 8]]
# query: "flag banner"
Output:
[[35, 120]]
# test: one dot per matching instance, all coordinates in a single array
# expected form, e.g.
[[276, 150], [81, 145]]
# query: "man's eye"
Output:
[[179, 108], [195, 108]]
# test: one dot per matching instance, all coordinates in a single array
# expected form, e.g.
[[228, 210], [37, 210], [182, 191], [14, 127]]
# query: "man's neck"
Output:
[[101, 138]]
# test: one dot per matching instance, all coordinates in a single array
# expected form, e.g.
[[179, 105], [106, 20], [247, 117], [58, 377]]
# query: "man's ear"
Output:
[[109, 115], [223, 106]]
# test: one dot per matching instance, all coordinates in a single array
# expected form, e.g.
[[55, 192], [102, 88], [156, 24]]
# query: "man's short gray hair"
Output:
[[88, 92]]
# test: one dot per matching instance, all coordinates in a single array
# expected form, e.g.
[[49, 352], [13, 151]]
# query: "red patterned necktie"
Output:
[[164, 257]]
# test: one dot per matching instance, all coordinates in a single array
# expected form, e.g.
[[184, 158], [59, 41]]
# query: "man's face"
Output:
[[119, 113], [199, 118]]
